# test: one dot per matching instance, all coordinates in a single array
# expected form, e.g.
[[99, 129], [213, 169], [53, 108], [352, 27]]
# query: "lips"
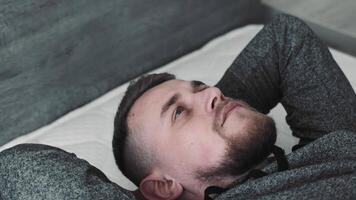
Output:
[[227, 110]]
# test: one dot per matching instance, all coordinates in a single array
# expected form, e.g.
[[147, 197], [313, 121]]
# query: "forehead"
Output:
[[148, 106], [158, 93]]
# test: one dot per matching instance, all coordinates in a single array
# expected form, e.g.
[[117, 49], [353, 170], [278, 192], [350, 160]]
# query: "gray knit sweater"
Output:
[[324, 169], [287, 63]]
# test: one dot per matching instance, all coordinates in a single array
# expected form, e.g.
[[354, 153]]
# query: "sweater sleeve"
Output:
[[285, 62]]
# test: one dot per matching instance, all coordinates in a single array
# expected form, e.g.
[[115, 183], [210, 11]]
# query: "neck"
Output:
[[197, 193], [230, 181]]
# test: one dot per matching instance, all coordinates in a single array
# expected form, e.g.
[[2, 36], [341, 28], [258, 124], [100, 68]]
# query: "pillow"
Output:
[[36, 171]]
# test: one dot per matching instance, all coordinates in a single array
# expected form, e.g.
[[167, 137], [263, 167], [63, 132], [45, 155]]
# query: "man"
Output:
[[180, 139]]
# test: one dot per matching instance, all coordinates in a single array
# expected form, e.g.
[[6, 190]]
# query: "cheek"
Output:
[[200, 145], [241, 124], [238, 121]]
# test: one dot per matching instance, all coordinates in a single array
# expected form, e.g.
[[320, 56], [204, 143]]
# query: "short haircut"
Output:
[[133, 159]]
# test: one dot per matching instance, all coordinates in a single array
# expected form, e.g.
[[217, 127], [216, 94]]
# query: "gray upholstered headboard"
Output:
[[56, 55]]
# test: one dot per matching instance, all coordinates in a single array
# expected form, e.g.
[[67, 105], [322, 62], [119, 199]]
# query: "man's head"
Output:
[[174, 138]]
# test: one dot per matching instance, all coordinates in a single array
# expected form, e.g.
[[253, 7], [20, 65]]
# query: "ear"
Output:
[[157, 187]]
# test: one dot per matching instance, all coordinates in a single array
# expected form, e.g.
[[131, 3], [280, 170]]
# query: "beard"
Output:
[[243, 152]]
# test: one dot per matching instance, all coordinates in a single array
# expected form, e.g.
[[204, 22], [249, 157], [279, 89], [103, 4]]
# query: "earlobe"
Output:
[[157, 187]]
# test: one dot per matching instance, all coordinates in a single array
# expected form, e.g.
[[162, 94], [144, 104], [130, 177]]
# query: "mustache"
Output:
[[219, 109]]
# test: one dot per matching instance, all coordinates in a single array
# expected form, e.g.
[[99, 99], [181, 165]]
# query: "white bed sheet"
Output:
[[87, 131]]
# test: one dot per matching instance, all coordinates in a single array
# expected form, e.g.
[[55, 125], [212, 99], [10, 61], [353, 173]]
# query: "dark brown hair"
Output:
[[130, 157]]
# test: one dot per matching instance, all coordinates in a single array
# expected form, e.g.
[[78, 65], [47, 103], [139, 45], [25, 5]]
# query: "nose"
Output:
[[213, 97]]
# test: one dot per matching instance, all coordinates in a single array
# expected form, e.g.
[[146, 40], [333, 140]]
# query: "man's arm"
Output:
[[287, 63], [38, 171]]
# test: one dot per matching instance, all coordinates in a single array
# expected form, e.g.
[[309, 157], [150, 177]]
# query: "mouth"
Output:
[[227, 110]]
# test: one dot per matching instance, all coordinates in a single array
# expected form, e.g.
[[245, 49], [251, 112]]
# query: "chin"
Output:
[[254, 144], [245, 148]]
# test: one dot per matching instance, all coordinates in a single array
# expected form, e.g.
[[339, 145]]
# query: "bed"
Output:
[[88, 129]]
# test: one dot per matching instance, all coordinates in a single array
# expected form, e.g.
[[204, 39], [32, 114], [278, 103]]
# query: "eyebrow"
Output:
[[173, 99], [195, 84]]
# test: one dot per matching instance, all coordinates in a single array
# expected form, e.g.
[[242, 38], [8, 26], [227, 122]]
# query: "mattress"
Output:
[[88, 130]]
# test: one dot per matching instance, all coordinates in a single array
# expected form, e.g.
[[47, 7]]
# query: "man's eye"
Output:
[[178, 111]]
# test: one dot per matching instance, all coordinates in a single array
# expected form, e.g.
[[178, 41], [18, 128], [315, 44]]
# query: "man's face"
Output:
[[191, 128]]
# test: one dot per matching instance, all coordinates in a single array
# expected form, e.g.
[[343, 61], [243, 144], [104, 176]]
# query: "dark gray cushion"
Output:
[[35, 171], [59, 55]]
